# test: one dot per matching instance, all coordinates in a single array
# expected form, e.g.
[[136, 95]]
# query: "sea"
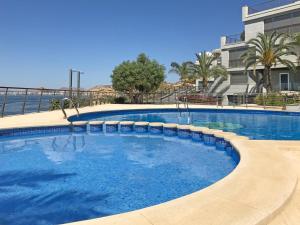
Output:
[[15, 103]]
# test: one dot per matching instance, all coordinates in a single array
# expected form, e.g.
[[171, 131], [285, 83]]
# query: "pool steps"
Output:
[[210, 137], [221, 140], [79, 126]]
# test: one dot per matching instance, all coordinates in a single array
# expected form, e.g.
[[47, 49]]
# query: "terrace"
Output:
[[256, 8], [233, 39]]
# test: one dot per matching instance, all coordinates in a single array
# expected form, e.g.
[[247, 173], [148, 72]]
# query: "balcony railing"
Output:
[[233, 39], [269, 5]]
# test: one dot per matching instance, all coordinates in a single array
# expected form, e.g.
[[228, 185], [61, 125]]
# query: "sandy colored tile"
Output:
[[124, 219]]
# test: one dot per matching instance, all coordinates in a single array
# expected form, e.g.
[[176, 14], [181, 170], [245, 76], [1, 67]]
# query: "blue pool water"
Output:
[[260, 125], [48, 179]]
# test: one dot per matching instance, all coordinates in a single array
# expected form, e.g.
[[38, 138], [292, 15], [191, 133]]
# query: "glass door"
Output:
[[284, 82]]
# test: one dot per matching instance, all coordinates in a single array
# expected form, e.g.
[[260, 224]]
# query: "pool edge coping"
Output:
[[216, 195]]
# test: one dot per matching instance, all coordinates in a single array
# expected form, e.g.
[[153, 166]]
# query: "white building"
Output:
[[284, 18]]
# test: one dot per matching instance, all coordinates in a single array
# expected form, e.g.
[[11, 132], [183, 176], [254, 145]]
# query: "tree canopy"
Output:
[[184, 71], [206, 67], [296, 43], [138, 77], [268, 51]]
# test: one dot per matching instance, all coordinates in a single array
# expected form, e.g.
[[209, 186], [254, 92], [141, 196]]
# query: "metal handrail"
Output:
[[62, 106], [185, 105], [177, 91]]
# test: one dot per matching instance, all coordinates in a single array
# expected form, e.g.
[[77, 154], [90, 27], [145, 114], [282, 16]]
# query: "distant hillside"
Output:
[[106, 89], [101, 86]]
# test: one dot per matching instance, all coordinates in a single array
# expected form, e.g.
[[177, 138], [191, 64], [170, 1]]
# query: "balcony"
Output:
[[235, 39], [268, 5], [236, 63]]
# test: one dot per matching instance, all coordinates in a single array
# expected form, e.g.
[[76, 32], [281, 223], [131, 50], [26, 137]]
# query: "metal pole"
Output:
[[4, 102], [222, 98], [78, 83], [40, 101], [91, 100], [24, 103], [70, 83], [284, 102]]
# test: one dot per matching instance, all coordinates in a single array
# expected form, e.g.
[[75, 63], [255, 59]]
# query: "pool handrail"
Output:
[[62, 106]]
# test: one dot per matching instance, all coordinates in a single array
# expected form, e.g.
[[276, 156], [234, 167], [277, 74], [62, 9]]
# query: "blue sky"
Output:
[[41, 39]]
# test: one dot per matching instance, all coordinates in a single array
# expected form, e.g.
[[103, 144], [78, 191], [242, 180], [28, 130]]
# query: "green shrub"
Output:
[[54, 104], [81, 102], [120, 100], [273, 99]]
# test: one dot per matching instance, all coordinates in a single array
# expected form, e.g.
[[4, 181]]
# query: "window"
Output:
[[286, 23], [283, 17], [238, 78], [284, 82], [235, 57]]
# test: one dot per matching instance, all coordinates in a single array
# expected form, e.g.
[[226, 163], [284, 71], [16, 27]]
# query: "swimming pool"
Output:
[[53, 176], [255, 124]]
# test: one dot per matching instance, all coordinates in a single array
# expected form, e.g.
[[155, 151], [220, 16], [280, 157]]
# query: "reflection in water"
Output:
[[47, 180], [155, 155], [16, 145], [57, 149], [140, 117], [64, 148]]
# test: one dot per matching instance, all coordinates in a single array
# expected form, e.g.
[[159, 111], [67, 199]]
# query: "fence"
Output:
[[279, 100], [19, 100]]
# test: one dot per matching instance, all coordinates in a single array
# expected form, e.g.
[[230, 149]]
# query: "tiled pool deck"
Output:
[[262, 189]]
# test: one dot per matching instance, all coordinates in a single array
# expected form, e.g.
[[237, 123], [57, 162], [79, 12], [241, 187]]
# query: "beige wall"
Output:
[[252, 29]]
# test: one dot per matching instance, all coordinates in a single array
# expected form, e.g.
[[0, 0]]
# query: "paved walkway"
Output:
[[290, 214], [56, 117]]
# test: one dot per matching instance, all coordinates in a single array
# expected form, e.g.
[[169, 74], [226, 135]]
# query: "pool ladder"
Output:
[[62, 107], [185, 108]]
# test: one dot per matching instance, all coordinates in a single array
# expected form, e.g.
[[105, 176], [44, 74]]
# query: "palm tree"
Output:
[[206, 68], [297, 39], [296, 42], [268, 51], [184, 71]]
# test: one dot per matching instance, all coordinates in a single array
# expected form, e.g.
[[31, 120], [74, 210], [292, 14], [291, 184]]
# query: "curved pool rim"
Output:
[[83, 127], [223, 201], [210, 199], [215, 118], [166, 110]]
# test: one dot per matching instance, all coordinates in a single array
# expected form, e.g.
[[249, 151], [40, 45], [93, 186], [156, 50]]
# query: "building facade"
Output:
[[283, 18]]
